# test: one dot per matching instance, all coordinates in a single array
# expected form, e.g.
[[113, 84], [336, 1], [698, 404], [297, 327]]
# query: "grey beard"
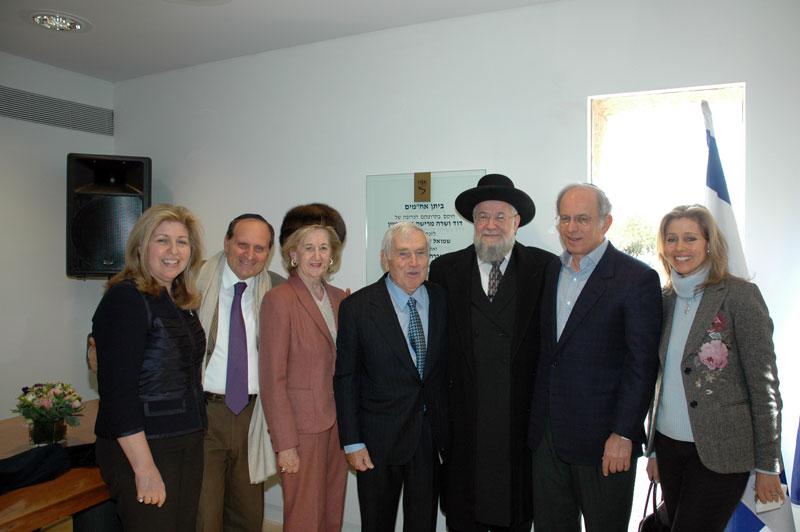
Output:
[[489, 253]]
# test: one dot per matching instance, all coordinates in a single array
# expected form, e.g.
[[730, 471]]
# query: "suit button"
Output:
[[554, 364], [687, 370], [693, 404]]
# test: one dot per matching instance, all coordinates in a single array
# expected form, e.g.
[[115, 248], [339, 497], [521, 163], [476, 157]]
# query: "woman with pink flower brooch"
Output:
[[717, 410]]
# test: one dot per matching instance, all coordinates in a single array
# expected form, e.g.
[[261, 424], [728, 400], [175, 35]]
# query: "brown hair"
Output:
[[184, 287], [717, 245], [299, 235]]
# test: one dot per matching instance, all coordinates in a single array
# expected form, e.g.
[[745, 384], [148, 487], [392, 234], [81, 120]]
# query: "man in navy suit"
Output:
[[390, 386], [601, 319]]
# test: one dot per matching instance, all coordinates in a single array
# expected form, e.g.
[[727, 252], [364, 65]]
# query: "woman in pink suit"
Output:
[[297, 349]]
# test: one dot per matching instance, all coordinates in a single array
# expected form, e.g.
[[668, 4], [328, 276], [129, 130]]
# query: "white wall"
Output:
[[44, 316]]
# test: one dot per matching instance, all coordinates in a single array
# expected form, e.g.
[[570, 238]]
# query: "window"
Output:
[[649, 154]]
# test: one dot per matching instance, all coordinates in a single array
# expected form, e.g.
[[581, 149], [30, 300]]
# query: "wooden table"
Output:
[[42, 504]]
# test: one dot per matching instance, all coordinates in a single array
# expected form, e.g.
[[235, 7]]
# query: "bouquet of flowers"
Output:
[[49, 403]]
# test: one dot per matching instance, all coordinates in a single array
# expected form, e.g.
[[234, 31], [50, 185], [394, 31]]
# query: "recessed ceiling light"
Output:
[[59, 21]]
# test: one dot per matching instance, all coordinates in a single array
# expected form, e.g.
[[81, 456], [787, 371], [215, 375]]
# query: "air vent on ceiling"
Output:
[[23, 105]]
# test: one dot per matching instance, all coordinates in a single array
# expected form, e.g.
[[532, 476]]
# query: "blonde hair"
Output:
[[717, 245], [294, 240], [184, 286]]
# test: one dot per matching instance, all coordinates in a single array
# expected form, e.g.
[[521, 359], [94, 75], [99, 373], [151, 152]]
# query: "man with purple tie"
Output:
[[232, 283]]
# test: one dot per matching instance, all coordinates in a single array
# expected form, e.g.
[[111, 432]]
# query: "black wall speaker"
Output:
[[106, 194]]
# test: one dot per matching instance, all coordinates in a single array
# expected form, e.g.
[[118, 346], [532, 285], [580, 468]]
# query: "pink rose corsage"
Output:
[[714, 354]]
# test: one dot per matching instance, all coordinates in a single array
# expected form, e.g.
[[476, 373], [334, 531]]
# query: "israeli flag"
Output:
[[795, 489], [718, 200], [745, 518]]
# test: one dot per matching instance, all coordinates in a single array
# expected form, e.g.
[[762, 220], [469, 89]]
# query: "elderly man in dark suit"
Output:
[[493, 289], [601, 319], [390, 386]]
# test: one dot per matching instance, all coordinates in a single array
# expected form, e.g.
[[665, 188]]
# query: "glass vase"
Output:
[[46, 432]]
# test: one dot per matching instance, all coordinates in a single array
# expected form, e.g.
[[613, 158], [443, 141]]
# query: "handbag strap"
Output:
[[651, 497]]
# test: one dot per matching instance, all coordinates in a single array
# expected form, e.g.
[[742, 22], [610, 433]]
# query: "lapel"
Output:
[[668, 307], [549, 295], [595, 287], [527, 298], [436, 325], [460, 294], [505, 291], [713, 296], [385, 319], [310, 306]]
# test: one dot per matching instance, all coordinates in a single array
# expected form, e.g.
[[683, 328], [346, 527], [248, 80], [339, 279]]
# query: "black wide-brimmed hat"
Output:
[[500, 188]]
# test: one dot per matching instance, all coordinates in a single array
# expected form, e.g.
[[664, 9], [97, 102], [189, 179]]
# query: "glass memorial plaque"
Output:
[[394, 198]]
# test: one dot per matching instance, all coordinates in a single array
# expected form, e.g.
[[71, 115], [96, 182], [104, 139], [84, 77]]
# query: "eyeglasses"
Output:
[[583, 220], [500, 218]]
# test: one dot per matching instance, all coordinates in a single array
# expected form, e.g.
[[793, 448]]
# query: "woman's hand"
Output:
[[150, 487], [652, 470], [289, 461], [768, 488]]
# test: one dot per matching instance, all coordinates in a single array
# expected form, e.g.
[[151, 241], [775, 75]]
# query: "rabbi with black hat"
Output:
[[493, 289]]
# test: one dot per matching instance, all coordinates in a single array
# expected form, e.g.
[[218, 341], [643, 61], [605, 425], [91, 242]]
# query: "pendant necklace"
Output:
[[689, 301]]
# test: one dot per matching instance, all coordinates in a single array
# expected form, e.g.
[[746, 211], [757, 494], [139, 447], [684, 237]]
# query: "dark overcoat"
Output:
[[454, 271]]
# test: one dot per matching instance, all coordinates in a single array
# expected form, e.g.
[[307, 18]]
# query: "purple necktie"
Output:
[[236, 379]]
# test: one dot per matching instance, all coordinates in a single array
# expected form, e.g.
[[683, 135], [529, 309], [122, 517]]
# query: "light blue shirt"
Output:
[[571, 283], [672, 419], [400, 303]]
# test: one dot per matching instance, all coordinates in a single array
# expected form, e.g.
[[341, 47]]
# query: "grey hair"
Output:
[[603, 204], [400, 228]]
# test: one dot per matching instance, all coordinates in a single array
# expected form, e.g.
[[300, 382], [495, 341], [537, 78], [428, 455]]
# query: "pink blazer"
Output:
[[297, 358]]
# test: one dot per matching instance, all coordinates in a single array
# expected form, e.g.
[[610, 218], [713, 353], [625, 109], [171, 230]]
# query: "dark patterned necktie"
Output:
[[494, 278], [236, 378], [416, 335]]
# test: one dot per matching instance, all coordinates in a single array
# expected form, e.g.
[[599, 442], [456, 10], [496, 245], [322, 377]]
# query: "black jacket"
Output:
[[149, 353], [455, 272], [380, 399]]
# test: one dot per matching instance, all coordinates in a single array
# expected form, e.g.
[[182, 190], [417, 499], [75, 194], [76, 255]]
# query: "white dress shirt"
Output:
[[217, 369], [486, 267]]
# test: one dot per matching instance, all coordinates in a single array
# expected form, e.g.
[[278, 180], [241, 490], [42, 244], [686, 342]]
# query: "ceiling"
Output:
[[132, 38]]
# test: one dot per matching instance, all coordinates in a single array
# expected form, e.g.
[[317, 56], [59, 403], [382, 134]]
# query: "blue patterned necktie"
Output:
[[416, 335], [236, 378]]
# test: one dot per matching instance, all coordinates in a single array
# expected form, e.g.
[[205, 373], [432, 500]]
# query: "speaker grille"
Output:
[[23, 105], [100, 230]]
